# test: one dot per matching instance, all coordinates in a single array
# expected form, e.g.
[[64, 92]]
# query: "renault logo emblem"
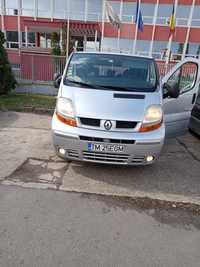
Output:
[[108, 125]]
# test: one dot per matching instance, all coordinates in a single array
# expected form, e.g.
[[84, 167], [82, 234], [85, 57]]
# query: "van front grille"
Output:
[[97, 123]]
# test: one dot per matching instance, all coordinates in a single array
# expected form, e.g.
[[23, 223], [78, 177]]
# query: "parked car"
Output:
[[195, 118], [113, 108]]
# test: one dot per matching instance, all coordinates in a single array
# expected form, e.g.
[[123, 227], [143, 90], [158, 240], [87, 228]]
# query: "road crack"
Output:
[[188, 150]]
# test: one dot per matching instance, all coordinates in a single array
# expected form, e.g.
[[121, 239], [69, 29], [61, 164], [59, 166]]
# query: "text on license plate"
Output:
[[105, 148]]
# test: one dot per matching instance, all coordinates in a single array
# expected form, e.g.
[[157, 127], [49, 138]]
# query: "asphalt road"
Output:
[[52, 228], [119, 216]]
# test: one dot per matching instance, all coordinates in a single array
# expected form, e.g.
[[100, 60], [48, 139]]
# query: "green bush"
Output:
[[7, 80]]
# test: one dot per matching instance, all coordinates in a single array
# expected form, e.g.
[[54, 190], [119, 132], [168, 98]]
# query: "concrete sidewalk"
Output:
[[25, 140]]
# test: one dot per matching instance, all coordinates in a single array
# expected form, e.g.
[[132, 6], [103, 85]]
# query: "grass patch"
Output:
[[20, 101]]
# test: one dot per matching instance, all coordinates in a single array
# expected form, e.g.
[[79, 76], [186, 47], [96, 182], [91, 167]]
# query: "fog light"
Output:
[[62, 151], [149, 158]]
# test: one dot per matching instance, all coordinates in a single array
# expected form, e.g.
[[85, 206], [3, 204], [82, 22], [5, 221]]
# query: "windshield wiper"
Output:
[[102, 87], [81, 83]]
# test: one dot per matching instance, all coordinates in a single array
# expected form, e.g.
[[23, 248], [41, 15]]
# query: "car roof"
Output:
[[113, 53]]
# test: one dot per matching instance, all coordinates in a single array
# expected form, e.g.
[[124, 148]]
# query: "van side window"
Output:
[[175, 78], [188, 77], [184, 78]]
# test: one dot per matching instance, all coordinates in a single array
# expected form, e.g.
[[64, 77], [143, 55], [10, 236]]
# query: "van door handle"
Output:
[[193, 98]]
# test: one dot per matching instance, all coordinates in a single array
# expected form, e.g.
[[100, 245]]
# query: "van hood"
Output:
[[109, 105]]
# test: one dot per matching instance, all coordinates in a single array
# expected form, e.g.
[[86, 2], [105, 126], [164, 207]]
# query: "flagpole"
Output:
[[68, 24], [103, 23], [188, 29], [154, 28], [136, 29], [171, 35], [119, 30]]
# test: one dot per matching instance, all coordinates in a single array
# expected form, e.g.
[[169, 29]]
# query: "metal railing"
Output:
[[93, 16], [12, 45]]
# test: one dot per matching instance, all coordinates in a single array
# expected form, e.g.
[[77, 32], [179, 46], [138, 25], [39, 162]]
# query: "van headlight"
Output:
[[65, 111], [153, 118]]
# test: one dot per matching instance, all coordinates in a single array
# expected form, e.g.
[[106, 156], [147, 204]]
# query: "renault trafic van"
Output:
[[114, 108]]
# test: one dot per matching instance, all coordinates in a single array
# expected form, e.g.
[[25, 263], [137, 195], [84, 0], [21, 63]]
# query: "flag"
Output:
[[172, 21], [112, 16], [138, 17]]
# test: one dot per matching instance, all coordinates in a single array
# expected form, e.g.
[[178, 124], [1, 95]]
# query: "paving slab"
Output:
[[18, 144], [24, 120], [23, 135]]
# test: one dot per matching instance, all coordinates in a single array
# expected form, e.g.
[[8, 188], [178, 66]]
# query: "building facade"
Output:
[[28, 26]]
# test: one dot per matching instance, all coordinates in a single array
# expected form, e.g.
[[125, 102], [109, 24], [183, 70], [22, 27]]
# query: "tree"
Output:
[[7, 80]]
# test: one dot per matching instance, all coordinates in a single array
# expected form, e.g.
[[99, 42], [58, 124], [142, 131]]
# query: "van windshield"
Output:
[[111, 72]]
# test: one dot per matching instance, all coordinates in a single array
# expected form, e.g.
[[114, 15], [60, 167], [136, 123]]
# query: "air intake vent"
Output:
[[105, 157], [90, 122], [129, 96], [126, 124]]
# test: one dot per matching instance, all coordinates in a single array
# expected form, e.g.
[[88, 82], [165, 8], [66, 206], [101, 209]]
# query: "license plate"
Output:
[[105, 148]]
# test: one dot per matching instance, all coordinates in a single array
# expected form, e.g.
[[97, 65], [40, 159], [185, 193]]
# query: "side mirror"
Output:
[[171, 91], [57, 80]]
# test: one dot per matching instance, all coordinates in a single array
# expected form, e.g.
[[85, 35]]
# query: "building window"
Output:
[[159, 49], [164, 12], [94, 10], [31, 39], [77, 10], [45, 40], [148, 13], [44, 7], [109, 44], [28, 8], [193, 49], [196, 17], [182, 15], [129, 10], [126, 45], [11, 7], [128, 13], [142, 47], [12, 39], [60, 9]]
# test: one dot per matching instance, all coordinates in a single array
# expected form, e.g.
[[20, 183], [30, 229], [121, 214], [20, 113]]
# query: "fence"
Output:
[[35, 68], [40, 69]]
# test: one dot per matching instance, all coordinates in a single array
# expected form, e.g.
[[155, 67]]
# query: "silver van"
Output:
[[114, 108]]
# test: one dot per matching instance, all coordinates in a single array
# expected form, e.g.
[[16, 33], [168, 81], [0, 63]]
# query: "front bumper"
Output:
[[134, 153]]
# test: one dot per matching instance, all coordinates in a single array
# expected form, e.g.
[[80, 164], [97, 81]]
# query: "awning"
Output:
[[77, 28]]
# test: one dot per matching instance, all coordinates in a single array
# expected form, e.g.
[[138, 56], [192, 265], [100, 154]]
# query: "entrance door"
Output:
[[76, 43]]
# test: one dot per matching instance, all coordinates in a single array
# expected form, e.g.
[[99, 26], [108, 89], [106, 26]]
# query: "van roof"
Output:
[[112, 53]]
